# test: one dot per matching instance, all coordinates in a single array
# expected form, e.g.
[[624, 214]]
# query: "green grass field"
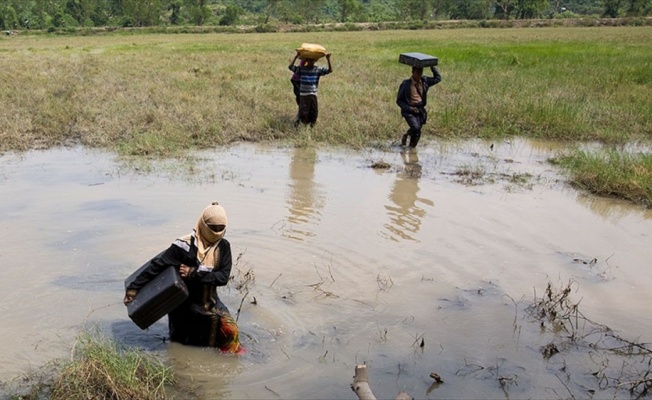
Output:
[[161, 94]]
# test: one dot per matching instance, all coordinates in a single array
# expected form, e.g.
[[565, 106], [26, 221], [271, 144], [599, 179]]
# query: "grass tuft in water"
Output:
[[98, 369], [611, 173]]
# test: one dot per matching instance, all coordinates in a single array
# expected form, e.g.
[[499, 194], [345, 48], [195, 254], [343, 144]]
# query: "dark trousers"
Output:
[[192, 325], [308, 109], [415, 122]]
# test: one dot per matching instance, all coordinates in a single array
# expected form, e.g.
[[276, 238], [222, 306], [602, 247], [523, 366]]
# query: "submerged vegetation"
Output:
[[98, 369], [612, 366]]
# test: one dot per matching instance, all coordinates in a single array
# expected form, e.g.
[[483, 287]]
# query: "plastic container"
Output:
[[158, 297]]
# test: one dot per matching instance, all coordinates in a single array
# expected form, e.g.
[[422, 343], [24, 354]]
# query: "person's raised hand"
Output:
[[129, 296]]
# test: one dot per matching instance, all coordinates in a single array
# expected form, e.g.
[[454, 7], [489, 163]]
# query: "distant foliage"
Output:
[[46, 14], [8, 17], [231, 15]]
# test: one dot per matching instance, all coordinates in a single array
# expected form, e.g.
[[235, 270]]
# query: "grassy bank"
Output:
[[611, 173], [98, 370], [160, 94], [155, 94]]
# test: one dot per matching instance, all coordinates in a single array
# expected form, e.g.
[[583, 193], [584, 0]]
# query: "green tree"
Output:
[[381, 11], [348, 8], [504, 8], [231, 15], [414, 9], [441, 8], [309, 10], [471, 9], [174, 7], [8, 17], [639, 8], [611, 8], [141, 12], [198, 11], [80, 10], [41, 16], [270, 9], [528, 9], [100, 13]]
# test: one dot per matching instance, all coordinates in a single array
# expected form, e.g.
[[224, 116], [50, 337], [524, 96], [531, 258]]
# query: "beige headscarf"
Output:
[[208, 239]]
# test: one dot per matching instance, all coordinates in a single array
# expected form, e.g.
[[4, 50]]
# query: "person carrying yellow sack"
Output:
[[309, 75]]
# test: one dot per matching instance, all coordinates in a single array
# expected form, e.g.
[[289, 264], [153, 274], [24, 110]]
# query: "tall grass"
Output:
[[98, 369], [612, 173], [160, 93]]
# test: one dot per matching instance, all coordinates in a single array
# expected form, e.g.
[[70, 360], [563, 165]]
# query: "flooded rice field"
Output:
[[427, 263]]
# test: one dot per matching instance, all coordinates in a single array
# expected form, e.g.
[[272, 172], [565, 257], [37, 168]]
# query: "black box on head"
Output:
[[418, 60], [158, 297]]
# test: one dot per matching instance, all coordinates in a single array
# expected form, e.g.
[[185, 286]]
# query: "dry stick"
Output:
[[417, 337], [331, 272], [275, 279], [635, 383], [240, 308], [329, 268], [286, 354], [566, 386], [360, 385], [277, 395], [318, 274], [630, 344]]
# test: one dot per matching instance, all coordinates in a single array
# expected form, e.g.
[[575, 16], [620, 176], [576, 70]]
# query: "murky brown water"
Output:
[[351, 265]]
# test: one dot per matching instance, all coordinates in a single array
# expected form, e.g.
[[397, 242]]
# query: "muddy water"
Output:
[[411, 269]]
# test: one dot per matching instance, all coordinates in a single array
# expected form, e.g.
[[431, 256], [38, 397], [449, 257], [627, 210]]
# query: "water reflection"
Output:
[[612, 209], [204, 372], [514, 241], [405, 213], [304, 198]]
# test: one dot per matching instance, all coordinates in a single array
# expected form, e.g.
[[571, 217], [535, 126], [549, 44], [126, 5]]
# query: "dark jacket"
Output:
[[182, 253], [202, 319], [403, 96]]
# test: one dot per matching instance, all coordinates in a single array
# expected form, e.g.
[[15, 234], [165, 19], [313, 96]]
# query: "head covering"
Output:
[[214, 214]]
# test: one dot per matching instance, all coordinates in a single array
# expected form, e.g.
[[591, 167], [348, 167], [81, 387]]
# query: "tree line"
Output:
[[54, 14]]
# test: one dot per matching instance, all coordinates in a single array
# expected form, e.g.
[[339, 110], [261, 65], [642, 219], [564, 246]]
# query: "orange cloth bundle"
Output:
[[310, 51]]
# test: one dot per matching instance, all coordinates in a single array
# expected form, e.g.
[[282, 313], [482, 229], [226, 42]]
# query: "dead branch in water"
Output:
[[242, 281], [560, 316], [361, 388], [275, 279], [317, 286]]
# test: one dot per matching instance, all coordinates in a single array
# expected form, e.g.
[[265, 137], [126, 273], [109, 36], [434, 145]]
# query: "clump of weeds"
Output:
[[97, 369], [617, 364]]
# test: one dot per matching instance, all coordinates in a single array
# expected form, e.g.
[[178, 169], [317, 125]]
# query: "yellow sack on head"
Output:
[[310, 51]]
